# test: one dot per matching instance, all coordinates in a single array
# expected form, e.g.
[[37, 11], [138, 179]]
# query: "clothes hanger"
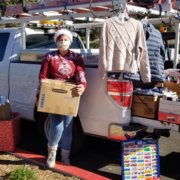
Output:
[[120, 9]]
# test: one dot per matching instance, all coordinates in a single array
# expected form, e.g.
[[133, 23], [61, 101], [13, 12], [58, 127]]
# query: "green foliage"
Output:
[[95, 38], [12, 2], [22, 173], [31, 1]]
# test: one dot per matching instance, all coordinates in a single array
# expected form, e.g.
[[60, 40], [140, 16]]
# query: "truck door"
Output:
[[6, 45], [23, 89], [23, 81]]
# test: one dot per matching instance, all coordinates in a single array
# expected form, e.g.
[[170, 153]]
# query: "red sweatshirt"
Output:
[[68, 68]]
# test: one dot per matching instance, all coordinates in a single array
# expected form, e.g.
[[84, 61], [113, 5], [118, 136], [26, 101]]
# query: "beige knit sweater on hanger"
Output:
[[123, 48]]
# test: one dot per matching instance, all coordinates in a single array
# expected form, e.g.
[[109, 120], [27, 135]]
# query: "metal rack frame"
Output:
[[94, 10]]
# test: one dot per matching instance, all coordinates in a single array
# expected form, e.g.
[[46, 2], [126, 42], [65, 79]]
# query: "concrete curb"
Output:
[[60, 167]]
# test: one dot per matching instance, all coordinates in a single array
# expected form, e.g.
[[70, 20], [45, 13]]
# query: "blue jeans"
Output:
[[60, 131]]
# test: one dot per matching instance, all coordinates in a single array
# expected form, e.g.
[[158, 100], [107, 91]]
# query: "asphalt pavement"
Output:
[[104, 157]]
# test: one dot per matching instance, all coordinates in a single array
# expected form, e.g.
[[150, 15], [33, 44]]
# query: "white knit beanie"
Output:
[[65, 32]]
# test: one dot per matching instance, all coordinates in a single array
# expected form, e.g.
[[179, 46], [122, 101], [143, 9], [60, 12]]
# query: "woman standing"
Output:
[[64, 65]]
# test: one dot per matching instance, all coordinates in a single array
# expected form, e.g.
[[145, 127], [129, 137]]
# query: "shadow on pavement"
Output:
[[100, 156], [170, 165], [96, 155], [29, 138]]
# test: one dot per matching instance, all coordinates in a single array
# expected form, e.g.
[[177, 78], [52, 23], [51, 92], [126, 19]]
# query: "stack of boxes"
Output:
[[158, 107]]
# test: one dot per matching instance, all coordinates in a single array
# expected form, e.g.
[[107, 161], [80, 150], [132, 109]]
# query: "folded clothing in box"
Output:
[[10, 135], [173, 86], [169, 111]]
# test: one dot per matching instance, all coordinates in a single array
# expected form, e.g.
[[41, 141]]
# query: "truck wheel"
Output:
[[43, 127], [78, 137]]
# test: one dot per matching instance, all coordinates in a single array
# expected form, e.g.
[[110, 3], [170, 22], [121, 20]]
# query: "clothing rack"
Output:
[[88, 8], [97, 9], [154, 21]]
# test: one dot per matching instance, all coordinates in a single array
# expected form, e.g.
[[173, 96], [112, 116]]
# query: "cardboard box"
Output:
[[5, 111], [58, 98], [169, 111], [145, 106], [172, 86], [10, 135]]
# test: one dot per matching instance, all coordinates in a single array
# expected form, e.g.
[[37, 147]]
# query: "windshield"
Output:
[[4, 37], [47, 41]]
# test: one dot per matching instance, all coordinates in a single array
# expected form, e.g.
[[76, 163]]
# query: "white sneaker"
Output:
[[65, 156], [51, 156]]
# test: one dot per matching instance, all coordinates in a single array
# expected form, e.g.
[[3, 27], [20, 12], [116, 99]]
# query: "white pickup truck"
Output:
[[99, 115]]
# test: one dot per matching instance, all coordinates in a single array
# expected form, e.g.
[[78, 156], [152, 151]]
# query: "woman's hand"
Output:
[[79, 89]]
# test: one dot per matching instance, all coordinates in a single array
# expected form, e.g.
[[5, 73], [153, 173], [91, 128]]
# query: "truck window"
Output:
[[47, 41], [3, 43]]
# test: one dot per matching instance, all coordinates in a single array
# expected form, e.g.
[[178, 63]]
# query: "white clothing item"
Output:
[[52, 150], [123, 48], [65, 32]]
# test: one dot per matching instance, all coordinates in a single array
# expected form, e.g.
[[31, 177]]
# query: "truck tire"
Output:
[[78, 137], [42, 123]]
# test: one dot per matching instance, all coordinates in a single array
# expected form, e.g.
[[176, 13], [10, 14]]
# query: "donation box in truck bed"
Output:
[[145, 106], [58, 97]]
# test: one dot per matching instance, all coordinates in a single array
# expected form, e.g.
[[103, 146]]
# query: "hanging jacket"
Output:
[[156, 51]]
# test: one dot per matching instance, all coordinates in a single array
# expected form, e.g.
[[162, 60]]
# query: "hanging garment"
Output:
[[156, 52], [123, 48]]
